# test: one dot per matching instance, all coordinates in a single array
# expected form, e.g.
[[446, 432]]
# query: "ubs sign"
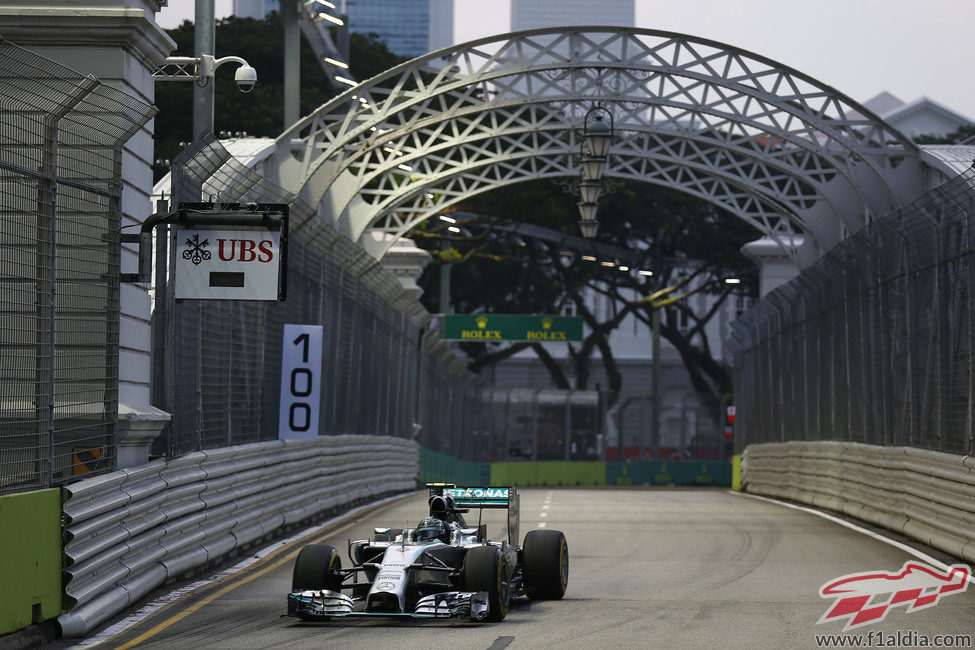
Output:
[[227, 264]]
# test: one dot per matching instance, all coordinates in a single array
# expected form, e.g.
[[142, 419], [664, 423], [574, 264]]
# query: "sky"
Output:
[[910, 48]]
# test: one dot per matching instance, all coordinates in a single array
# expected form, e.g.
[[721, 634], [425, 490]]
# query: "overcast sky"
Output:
[[910, 48]]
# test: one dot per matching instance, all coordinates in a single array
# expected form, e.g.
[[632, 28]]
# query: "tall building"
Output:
[[253, 8], [533, 14], [408, 27]]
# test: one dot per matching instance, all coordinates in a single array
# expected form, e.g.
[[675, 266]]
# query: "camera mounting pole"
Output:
[[202, 69]]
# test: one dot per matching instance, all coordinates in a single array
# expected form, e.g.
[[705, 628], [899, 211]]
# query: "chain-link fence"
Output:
[[874, 342], [61, 137]]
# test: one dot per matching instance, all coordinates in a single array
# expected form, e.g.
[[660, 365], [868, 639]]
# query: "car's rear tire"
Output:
[[484, 569], [545, 556], [317, 567]]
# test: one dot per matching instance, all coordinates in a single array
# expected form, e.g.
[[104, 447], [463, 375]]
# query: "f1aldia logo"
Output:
[[865, 598]]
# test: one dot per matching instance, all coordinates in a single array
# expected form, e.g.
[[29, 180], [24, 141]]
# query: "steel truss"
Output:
[[779, 149]]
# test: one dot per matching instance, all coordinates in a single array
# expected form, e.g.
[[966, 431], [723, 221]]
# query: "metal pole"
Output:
[[568, 425], [160, 314], [342, 37], [655, 389], [292, 62], [204, 40], [444, 280]]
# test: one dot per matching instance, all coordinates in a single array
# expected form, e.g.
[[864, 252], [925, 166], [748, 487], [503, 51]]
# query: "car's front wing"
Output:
[[325, 604]]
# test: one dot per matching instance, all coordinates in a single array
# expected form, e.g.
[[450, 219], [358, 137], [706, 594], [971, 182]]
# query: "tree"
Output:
[[260, 112], [685, 241], [959, 135]]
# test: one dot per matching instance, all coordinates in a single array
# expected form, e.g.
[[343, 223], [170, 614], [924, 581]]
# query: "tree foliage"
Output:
[[685, 241], [959, 135]]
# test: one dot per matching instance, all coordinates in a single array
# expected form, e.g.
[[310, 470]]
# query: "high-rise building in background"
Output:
[[408, 27], [533, 14], [255, 8]]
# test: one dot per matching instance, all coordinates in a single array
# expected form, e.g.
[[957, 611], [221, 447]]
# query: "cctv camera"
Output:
[[245, 77]]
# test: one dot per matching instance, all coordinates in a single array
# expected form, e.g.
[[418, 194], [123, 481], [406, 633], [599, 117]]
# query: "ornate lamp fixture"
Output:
[[597, 135]]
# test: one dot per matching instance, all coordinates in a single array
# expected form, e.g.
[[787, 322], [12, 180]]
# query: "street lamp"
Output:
[[588, 224], [597, 135]]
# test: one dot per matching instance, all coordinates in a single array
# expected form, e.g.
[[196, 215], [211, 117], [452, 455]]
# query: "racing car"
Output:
[[443, 568]]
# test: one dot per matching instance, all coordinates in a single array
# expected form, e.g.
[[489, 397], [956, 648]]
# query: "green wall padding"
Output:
[[553, 472], [30, 545], [437, 467], [441, 468]]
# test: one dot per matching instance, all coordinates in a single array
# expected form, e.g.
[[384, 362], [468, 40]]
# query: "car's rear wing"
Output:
[[485, 498]]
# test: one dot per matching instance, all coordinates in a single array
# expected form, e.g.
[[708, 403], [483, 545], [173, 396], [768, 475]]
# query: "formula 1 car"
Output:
[[443, 568]]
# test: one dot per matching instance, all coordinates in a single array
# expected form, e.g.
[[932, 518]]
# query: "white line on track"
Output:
[[869, 533], [541, 524], [544, 514], [165, 599]]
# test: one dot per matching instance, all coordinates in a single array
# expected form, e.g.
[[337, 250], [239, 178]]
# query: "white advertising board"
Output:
[[226, 264], [301, 381]]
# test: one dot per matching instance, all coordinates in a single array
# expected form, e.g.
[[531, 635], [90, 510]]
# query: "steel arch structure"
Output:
[[779, 149]]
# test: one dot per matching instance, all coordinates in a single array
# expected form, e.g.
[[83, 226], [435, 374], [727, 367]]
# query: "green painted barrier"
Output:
[[736, 472], [30, 545], [554, 472], [441, 468], [437, 467], [669, 472]]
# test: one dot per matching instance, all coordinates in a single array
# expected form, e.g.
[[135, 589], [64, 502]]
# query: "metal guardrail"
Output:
[[927, 495], [132, 530]]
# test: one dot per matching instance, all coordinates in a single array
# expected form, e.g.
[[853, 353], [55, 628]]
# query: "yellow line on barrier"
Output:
[[291, 553]]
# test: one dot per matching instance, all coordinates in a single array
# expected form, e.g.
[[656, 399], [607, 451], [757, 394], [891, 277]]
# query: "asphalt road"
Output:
[[649, 568]]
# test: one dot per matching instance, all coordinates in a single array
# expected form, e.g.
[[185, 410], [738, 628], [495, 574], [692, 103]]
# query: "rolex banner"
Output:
[[512, 327]]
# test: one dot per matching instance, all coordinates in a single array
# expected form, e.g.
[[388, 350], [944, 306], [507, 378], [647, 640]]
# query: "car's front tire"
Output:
[[545, 556], [317, 567], [484, 569]]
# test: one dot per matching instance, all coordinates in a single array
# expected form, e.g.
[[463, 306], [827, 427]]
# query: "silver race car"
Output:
[[443, 568]]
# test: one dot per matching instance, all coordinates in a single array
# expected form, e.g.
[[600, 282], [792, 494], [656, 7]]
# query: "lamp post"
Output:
[[597, 135]]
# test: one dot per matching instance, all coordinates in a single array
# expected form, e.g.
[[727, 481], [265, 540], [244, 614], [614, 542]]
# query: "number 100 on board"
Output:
[[301, 373]]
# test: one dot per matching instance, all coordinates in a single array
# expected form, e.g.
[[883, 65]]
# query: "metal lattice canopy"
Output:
[[777, 148]]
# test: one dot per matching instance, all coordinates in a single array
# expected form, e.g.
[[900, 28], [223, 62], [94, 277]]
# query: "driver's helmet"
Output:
[[431, 529]]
